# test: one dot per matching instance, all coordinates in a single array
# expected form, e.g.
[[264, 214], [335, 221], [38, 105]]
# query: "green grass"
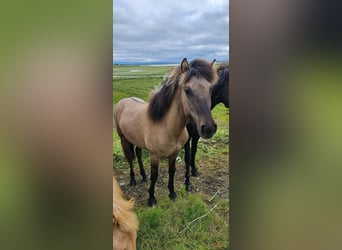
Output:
[[140, 87], [138, 71], [160, 226]]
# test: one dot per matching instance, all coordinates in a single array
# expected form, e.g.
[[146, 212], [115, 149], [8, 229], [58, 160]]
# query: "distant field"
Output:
[[161, 226], [137, 71]]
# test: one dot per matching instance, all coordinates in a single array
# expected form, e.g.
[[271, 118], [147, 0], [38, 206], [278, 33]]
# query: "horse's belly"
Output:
[[162, 150]]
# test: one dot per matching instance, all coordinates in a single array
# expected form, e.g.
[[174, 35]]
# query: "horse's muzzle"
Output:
[[208, 130]]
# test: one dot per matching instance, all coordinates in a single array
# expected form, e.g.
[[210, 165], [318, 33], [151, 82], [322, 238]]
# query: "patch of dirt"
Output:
[[214, 177]]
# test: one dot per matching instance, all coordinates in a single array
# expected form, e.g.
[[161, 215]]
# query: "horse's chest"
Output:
[[165, 146]]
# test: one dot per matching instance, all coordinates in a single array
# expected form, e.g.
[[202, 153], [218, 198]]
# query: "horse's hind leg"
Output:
[[194, 143], [187, 165], [129, 154], [172, 170], [141, 166], [131, 170]]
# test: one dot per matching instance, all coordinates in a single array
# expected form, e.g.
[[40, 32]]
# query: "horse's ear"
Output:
[[184, 65], [213, 62], [114, 220]]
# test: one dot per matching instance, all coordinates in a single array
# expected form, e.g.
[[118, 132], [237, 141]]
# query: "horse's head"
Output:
[[122, 239], [125, 221], [196, 82]]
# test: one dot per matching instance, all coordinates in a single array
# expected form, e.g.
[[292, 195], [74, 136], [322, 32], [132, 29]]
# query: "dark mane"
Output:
[[223, 76], [161, 99], [201, 68], [223, 80], [222, 66]]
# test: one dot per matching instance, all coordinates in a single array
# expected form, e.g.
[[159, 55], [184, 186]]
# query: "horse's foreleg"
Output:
[[194, 143], [141, 166], [187, 165], [172, 170], [154, 176]]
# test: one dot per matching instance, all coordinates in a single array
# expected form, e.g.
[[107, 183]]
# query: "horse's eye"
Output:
[[187, 91]]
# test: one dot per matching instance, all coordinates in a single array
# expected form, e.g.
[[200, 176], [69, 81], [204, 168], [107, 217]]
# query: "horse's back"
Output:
[[129, 102], [129, 109], [130, 119]]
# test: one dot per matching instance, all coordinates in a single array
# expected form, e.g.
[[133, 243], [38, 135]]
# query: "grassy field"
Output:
[[165, 226], [139, 71]]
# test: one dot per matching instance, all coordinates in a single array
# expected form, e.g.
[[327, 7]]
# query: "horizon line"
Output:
[[156, 62]]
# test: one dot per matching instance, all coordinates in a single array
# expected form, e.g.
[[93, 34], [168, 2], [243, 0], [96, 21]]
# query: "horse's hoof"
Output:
[[188, 188], [195, 173], [151, 202], [144, 179], [173, 196], [133, 183]]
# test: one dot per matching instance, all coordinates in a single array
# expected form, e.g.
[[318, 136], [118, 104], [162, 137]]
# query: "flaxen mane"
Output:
[[123, 215], [161, 100]]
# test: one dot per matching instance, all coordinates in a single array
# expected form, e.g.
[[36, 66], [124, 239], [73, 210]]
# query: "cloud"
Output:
[[168, 30]]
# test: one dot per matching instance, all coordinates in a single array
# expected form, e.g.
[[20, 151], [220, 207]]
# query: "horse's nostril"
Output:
[[203, 128], [208, 130]]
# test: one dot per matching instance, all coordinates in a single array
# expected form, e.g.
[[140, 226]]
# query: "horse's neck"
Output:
[[214, 102], [176, 118]]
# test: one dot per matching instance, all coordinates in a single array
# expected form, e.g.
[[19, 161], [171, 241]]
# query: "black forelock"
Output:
[[201, 69]]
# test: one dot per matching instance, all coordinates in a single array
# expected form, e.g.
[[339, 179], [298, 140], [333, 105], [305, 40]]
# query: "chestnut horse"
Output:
[[159, 126], [125, 222]]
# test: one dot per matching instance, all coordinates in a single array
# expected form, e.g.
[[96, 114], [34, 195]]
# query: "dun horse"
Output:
[[159, 126], [125, 222], [220, 94]]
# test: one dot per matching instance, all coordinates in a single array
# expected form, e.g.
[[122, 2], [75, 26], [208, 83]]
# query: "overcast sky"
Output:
[[168, 30]]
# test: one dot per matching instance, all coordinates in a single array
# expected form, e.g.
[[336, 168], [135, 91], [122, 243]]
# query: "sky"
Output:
[[150, 31]]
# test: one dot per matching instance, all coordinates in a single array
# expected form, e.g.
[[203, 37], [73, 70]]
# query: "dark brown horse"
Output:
[[159, 126], [220, 94]]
